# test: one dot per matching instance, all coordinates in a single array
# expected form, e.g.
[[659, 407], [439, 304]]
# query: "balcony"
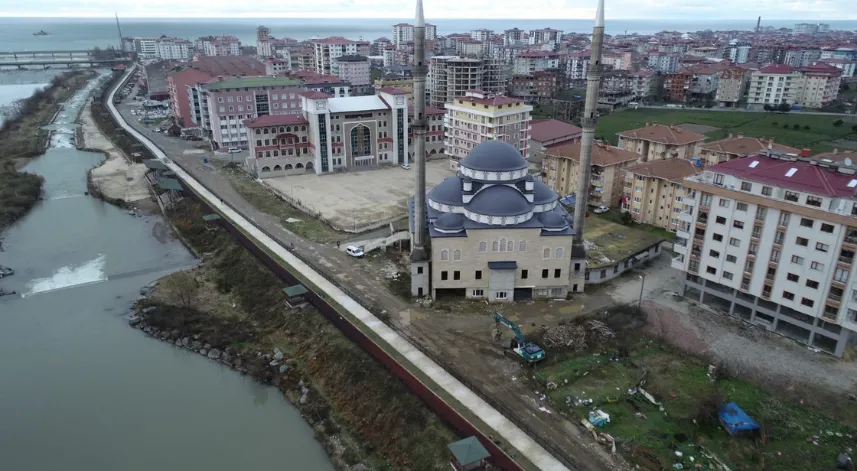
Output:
[[685, 216], [701, 221], [745, 286], [680, 248], [850, 240], [846, 260], [678, 262], [688, 200]]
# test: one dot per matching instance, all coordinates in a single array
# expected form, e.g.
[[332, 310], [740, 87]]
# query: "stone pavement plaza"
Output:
[[352, 200]]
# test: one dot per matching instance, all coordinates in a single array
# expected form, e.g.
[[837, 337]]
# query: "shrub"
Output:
[[838, 122], [806, 127], [785, 126], [774, 123], [796, 126]]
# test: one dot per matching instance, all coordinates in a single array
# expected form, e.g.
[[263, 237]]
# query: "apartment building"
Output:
[[576, 66], [731, 86], [146, 48], [355, 70], [327, 51], [801, 57], [536, 87], [653, 191], [561, 169], [771, 239], [513, 37], [666, 63], [677, 86], [404, 33], [219, 46], [641, 83], [174, 49], [805, 28], [737, 147], [529, 62], [276, 66], [545, 36], [659, 142], [479, 116], [452, 76], [774, 84], [618, 60], [546, 133], [848, 67], [820, 85]]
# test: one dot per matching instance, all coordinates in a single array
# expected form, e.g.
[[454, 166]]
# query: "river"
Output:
[[81, 389]]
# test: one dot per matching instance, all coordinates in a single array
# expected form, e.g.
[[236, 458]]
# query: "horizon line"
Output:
[[351, 17]]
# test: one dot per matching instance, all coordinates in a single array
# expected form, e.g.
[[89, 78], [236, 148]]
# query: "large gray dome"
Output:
[[499, 200], [450, 222], [494, 156], [447, 192], [553, 220], [542, 194]]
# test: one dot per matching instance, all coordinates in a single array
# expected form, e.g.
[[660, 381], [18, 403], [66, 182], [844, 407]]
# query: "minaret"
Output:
[[590, 119], [419, 254]]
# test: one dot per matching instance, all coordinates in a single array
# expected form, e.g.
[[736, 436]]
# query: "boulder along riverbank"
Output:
[[232, 310]]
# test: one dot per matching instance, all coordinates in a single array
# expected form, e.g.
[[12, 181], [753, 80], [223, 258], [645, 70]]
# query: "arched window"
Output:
[[483, 246], [265, 131], [282, 129], [303, 138], [456, 255], [510, 246], [303, 128], [361, 141], [522, 246], [288, 129], [503, 244], [495, 246], [546, 253], [559, 252], [258, 131], [444, 255], [276, 153]]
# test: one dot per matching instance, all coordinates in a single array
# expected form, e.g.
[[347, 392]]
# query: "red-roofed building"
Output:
[[538, 86], [177, 85], [548, 133], [529, 62], [820, 84], [771, 238]]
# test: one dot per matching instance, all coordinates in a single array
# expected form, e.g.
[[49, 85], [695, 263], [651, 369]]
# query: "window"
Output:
[[817, 266], [731, 259], [827, 228], [797, 260], [444, 275], [483, 246], [495, 246], [784, 219], [714, 253], [718, 237], [477, 274], [720, 220], [444, 255], [775, 255], [546, 254], [748, 265], [821, 247], [727, 275], [788, 295], [813, 201], [840, 275], [804, 222], [559, 253], [510, 246], [545, 273], [456, 255], [746, 186], [557, 272], [711, 270], [792, 196], [734, 242], [767, 191], [792, 277], [525, 274], [477, 292], [757, 232], [419, 270], [522, 246], [779, 237], [456, 275], [812, 284], [738, 224], [501, 295], [724, 203], [803, 242]]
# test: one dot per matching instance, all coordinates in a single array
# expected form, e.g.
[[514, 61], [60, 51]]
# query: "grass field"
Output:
[[818, 137], [613, 242], [797, 438]]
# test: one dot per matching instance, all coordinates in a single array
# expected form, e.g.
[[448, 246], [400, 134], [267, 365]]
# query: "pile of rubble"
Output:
[[575, 336], [599, 331]]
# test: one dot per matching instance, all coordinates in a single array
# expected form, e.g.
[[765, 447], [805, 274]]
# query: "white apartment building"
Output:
[[848, 67], [805, 28], [665, 62], [404, 32], [739, 53], [731, 86], [529, 62], [774, 84], [328, 50], [801, 57], [481, 34], [545, 36], [577, 65], [820, 85], [146, 48], [771, 239], [513, 37], [641, 83], [479, 116], [219, 46], [174, 49]]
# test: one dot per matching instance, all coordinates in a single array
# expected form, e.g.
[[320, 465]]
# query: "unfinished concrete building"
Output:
[[453, 76]]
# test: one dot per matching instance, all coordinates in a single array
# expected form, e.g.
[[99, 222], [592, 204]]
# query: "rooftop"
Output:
[[743, 146], [607, 242], [354, 58], [334, 40], [228, 65], [672, 170], [255, 82], [796, 175], [393, 91], [430, 110], [602, 155], [493, 101], [673, 135], [275, 120], [777, 69], [356, 103], [549, 129]]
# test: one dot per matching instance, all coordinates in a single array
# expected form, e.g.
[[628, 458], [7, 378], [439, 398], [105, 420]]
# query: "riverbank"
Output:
[[117, 180], [22, 138], [232, 310]]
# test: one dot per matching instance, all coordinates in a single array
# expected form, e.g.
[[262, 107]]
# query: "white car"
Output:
[[356, 252], [234, 150], [406, 166], [601, 209]]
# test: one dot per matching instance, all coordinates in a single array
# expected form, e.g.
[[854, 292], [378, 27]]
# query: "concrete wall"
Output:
[[603, 274]]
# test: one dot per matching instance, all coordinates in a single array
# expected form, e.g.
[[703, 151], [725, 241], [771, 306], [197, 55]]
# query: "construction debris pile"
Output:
[[575, 336]]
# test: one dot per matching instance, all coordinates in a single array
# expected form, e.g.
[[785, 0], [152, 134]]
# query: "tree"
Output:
[[838, 123], [182, 289], [627, 219], [785, 125], [796, 126], [806, 127], [768, 107], [854, 128], [774, 123], [784, 107]]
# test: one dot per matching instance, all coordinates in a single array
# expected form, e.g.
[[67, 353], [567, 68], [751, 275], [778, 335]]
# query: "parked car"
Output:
[[601, 210], [354, 251], [234, 150], [406, 166]]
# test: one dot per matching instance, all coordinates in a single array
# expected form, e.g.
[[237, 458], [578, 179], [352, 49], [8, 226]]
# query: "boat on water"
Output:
[[6, 271], [41, 32]]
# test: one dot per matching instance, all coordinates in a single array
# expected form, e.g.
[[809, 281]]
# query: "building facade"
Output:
[[653, 191], [771, 239], [660, 142], [774, 84], [327, 51], [731, 87], [738, 146], [479, 116], [174, 49], [536, 87], [529, 62], [547, 133], [561, 168], [356, 71], [452, 76], [404, 33]]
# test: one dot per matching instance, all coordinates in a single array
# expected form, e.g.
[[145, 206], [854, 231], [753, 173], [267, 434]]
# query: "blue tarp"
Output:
[[736, 420]]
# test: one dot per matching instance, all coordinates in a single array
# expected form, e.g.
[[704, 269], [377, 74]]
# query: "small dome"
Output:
[[447, 192], [449, 222], [542, 194], [553, 220], [494, 156], [499, 200]]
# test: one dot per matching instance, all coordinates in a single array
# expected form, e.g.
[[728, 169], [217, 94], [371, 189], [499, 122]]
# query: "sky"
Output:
[[696, 10]]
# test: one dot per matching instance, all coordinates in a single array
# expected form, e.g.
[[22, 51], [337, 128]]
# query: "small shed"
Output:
[[468, 454], [736, 420], [295, 295], [211, 221]]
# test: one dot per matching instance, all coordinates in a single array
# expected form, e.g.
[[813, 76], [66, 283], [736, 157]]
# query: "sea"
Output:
[[16, 34]]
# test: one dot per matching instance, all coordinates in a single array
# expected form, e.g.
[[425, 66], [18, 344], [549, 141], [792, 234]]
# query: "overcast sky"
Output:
[[696, 10]]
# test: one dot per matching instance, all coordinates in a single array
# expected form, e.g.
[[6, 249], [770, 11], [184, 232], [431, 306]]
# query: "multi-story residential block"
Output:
[[663, 62], [538, 87], [545, 36], [820, 85], [481, 34], [660, 142], [355, 70], [302, 58], [737, 147], [547, 133], [513, 37], [801, 57], [561, 168], [774, 84], [771, 239], [404, 32], [848, 67], [677, 86], [452, 76], [471, 48], [805, 28], [529, 62], [641, 83], [848, 53], [263, 46], [738, 52], [276, 66], [731, 86], [328, 50], [174, 48], [618, 60], [401, 83], [219, 45], [146, 48], [653, 191], [576, 66], [480, 116], [434, 131]]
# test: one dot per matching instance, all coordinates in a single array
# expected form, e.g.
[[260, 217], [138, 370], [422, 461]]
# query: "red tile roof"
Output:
[[673, 170], [495, 101], [776, 69], [314, 94], [430, 110], [334, 40], [275, 120], [393, 91], [806, 178], [602, 155], [672, 135], [550, 129]]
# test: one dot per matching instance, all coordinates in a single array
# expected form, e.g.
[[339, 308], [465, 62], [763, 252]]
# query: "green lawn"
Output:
[[615, 215], [818, 137], [649, 437]]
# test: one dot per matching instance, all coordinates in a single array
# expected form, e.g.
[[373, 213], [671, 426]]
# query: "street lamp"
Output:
[[642, 284]]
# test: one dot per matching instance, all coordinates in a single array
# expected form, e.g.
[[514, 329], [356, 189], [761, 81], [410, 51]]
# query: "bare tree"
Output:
[[182, 289]]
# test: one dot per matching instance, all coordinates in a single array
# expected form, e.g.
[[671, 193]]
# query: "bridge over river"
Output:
[[46, 59]]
